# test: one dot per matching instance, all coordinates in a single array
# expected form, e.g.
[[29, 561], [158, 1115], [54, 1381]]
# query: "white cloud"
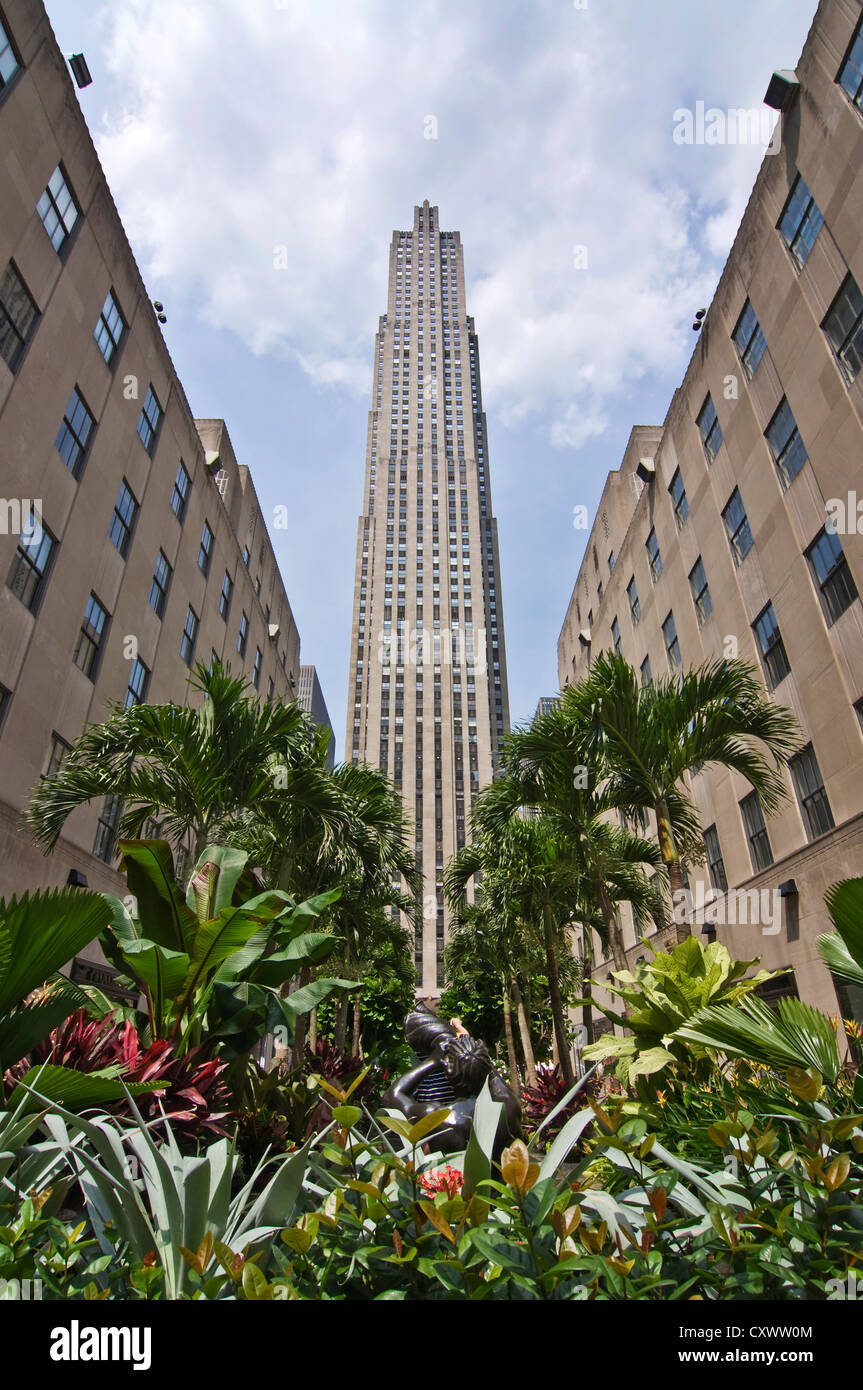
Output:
[[246, 128]]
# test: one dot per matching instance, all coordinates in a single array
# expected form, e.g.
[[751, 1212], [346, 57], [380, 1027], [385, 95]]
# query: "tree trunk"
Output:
[[510, 1038], [341, 1027], [615, 935], [313, 1031], [680, 905], [524, 1030], [587, 982], [556, 1001], [298, 1051], [356, 1043]]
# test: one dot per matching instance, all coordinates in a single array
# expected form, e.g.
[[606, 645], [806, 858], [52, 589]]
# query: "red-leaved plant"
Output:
[[192, 1093]]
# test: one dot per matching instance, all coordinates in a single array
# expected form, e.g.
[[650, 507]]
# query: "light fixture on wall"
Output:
[[81, 73]]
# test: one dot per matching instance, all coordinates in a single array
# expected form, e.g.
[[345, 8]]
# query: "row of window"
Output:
[[814, 808], [827, 564]]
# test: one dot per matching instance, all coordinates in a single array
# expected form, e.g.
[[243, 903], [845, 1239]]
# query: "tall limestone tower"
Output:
[[427, 698]]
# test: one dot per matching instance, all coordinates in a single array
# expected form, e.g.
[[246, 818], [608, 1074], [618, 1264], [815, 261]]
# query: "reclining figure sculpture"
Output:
[[454, 1069]]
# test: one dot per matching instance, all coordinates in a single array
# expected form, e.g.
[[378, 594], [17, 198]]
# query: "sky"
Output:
[[261, 153]]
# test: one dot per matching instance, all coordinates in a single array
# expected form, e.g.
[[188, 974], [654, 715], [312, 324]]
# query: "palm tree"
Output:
[[642, 741], [486, 941], [191, 768], [542, 884], [361, 847], [609, 858]]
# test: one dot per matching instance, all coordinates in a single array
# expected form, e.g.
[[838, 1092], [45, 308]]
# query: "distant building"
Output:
[[427, 695], [732, 529], [545, 705], [132, 544], [310, 697]]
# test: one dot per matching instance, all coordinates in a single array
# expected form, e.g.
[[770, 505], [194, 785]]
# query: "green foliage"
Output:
[[664, 994], [214, 962], [842, 951], [40, 933]]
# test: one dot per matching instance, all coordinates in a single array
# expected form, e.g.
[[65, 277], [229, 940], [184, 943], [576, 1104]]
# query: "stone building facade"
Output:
[[132, 544], [732, 528]]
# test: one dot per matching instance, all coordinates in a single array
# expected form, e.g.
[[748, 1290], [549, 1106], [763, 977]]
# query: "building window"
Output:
[[771, 646], [205, 549], [30, 565], [57, 209], [56, 753], [18, 315], [654, 559], [139, 680], [679, 501], [91, 638], [189, 637], [106, 830], [161, 583], [256, 668], [6, 700], [110, 328], [148, 425], [809, 786], [850, 76], [610, 561], [844, 327], [246, 556], [123, 520], [74, 433], [672, 646], [756, 832], [801, 221], [709, 429], [9, 64], [226, 596], [700, 592], [786, 445], [646, 673], [715, 864], [830, 568], [615, 635], [180, 494], [737, 527], [749, 340], [243, 637], [632, 595]]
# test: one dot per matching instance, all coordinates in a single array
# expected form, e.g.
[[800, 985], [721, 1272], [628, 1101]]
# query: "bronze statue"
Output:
[[454, 1068]]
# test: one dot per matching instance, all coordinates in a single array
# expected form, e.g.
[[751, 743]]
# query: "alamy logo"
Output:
[[845, 1289], [737, 126], [21, 517], [739, 906], [77, 1343], [23, 1289]]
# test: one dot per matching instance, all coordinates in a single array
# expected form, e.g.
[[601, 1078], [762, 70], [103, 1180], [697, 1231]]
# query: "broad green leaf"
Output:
[[77, 1090], [162, 911], [650, 1061], [421, 1128], [40, 933]]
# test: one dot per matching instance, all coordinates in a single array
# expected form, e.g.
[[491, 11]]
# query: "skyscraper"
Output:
[[427, 697]]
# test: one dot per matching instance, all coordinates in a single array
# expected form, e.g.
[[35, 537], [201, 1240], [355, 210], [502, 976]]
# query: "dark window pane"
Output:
[[801, 221], [18, 314]]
